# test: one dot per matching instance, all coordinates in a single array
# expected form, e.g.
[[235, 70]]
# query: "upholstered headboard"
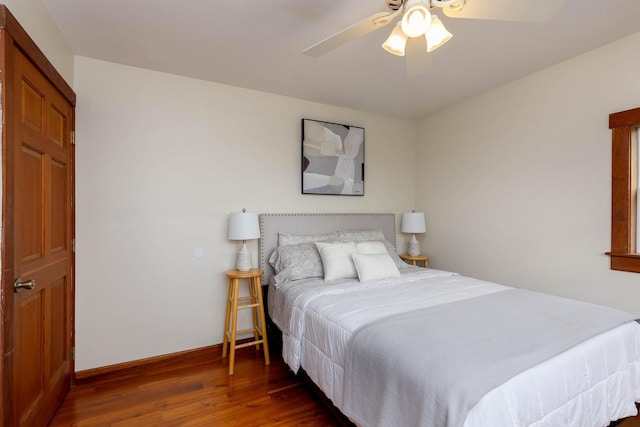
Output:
[[316, 223]]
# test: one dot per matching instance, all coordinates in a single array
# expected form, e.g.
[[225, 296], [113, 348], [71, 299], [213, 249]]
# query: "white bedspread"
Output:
[[589, 385]]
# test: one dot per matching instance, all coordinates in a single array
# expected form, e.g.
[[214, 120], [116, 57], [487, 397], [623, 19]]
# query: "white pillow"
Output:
[[375, 266], [337, 260], [384, 247]]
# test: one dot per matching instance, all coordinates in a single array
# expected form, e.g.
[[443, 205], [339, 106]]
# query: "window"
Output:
[[624, 190]]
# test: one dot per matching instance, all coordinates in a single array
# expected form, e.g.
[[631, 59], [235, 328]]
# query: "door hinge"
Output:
[[73, 353], [73, 137], [73, 245]]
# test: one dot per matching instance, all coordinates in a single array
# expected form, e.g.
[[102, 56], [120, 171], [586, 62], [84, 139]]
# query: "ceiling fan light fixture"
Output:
[[396, 42], [437, 35], [416, 19]]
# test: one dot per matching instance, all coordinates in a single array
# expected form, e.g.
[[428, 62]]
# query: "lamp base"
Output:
[[414, 247], [243, 260]]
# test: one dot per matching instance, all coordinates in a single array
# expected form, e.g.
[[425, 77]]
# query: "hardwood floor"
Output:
[[196, 392], [194, 389]]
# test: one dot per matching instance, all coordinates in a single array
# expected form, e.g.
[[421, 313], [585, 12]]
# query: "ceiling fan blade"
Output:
[[507, 10], [418, 60], [358, 29]]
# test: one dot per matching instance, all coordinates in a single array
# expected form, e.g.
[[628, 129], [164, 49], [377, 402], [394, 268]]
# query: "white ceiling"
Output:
[[257, 45]]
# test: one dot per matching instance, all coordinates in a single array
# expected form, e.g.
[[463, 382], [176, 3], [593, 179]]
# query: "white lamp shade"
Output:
[[396, 42], [243, 226], [413, 222], [437, 35]]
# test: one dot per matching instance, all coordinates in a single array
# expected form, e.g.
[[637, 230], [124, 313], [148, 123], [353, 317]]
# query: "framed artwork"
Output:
[[332, 158]]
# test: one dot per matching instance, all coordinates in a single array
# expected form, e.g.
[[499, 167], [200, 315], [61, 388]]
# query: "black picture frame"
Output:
[[332, 158]]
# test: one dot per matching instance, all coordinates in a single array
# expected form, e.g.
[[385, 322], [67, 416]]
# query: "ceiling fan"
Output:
[[417, 21]]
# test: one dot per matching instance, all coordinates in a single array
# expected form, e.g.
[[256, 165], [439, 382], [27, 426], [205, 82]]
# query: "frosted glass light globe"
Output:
[[416, 20]]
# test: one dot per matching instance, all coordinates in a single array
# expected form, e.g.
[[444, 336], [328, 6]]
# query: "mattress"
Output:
[[591, 384]]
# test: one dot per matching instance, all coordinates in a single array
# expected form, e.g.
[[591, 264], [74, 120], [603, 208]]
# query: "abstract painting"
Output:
[[332, 158]]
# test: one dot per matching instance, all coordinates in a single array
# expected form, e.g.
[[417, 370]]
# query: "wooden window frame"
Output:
[[624, 186]]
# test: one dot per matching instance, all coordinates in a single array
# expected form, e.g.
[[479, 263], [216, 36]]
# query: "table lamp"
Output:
[[413, 222], [244, 226]]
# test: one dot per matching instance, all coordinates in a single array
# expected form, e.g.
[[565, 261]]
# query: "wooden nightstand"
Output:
[[254, 302], [415, 259]]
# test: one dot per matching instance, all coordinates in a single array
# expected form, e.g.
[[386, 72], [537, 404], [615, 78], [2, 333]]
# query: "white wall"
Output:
[[37, 22], [516, 182], [161, 162]]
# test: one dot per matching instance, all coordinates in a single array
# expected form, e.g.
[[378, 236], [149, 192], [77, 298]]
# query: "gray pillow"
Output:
[[296, 262], [285, 239], [394, 255], [361, 235]]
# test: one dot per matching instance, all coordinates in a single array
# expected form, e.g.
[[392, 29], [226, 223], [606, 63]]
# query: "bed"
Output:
[[414, 346]]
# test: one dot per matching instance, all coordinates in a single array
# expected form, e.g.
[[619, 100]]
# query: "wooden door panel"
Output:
[[29, 352], [59, 210], [32, 105], [59, 341], [30, 210], [57, 125]]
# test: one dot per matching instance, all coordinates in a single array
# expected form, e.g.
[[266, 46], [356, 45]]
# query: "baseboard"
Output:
[[163, 362]]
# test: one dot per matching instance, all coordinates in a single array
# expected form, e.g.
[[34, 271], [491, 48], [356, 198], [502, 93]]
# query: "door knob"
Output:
[[19, 285]]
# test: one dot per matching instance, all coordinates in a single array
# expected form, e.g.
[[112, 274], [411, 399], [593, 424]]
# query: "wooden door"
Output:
[[39, 170]]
